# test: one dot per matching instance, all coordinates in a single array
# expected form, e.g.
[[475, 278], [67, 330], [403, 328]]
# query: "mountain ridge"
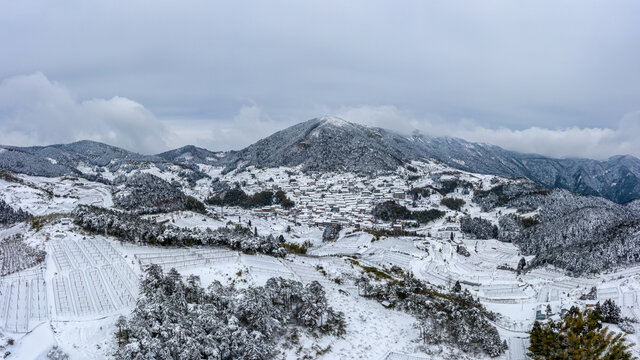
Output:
[[333, 144], [348, 145]]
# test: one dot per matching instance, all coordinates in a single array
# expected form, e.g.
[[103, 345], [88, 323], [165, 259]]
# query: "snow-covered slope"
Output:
[[333, 144], [326, 144], [192, 154], [94, 257]]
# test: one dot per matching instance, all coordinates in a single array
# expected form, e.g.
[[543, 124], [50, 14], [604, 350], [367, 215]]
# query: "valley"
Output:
[[73, 299]]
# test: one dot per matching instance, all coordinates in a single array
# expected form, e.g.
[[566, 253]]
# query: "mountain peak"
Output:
[[333, 121]]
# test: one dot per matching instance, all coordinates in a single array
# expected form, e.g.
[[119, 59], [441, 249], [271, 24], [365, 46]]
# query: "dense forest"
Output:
[[177, 319], [453, 318], [9, 215], [392, 211], [144, 193], [133, 228]]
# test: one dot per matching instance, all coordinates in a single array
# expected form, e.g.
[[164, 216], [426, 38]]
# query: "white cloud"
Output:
[[595, 143], [500, 62], [36, 111], [249, 125], [252, 124]]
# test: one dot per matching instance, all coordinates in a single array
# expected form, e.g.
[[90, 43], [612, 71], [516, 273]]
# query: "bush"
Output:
[[480, 228], [461, 250], [282, 199], [610, 312], [237, 197], [194, 204], [295, 248], [38, 222], [331, 232], [627, 327], [528, 222], [57, 354], [452, 203], [391, 211], [591, 295]]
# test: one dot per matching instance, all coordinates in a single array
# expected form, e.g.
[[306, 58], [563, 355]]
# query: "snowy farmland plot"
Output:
[[91, 279], [23, 304], [186, 258]]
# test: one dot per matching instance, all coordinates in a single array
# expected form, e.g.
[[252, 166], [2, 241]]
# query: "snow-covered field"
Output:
[[73, 299]]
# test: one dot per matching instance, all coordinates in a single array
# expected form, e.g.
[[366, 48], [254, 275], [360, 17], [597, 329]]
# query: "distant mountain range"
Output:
[[333, 144], [65, 159], [330, 143]]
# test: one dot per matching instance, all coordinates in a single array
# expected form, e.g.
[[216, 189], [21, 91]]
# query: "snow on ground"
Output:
[[88, 280], [34, 345], [42, 196], [365, 317]]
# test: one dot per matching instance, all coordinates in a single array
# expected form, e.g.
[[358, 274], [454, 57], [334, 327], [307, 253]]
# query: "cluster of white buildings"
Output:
[[339, 200]]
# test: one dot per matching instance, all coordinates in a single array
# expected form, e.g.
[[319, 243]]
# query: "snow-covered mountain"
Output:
[[328, 144], [332, 144], [192, 154], [68, 159], [581, 234], [424, 259], [96, 161]]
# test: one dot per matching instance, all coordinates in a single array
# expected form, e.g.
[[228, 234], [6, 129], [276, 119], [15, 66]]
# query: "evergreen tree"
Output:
[[579, 335], [610, 312], [193, 291], [175, 319], [121, 334], [521, 264]]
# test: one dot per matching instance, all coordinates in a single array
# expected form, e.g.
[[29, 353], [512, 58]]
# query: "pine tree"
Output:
[[176, 319], [610, 312], [579, 335], [122, 333], [521, 264]]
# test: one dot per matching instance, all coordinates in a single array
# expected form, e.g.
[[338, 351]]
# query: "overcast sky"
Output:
[[556, 78]]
